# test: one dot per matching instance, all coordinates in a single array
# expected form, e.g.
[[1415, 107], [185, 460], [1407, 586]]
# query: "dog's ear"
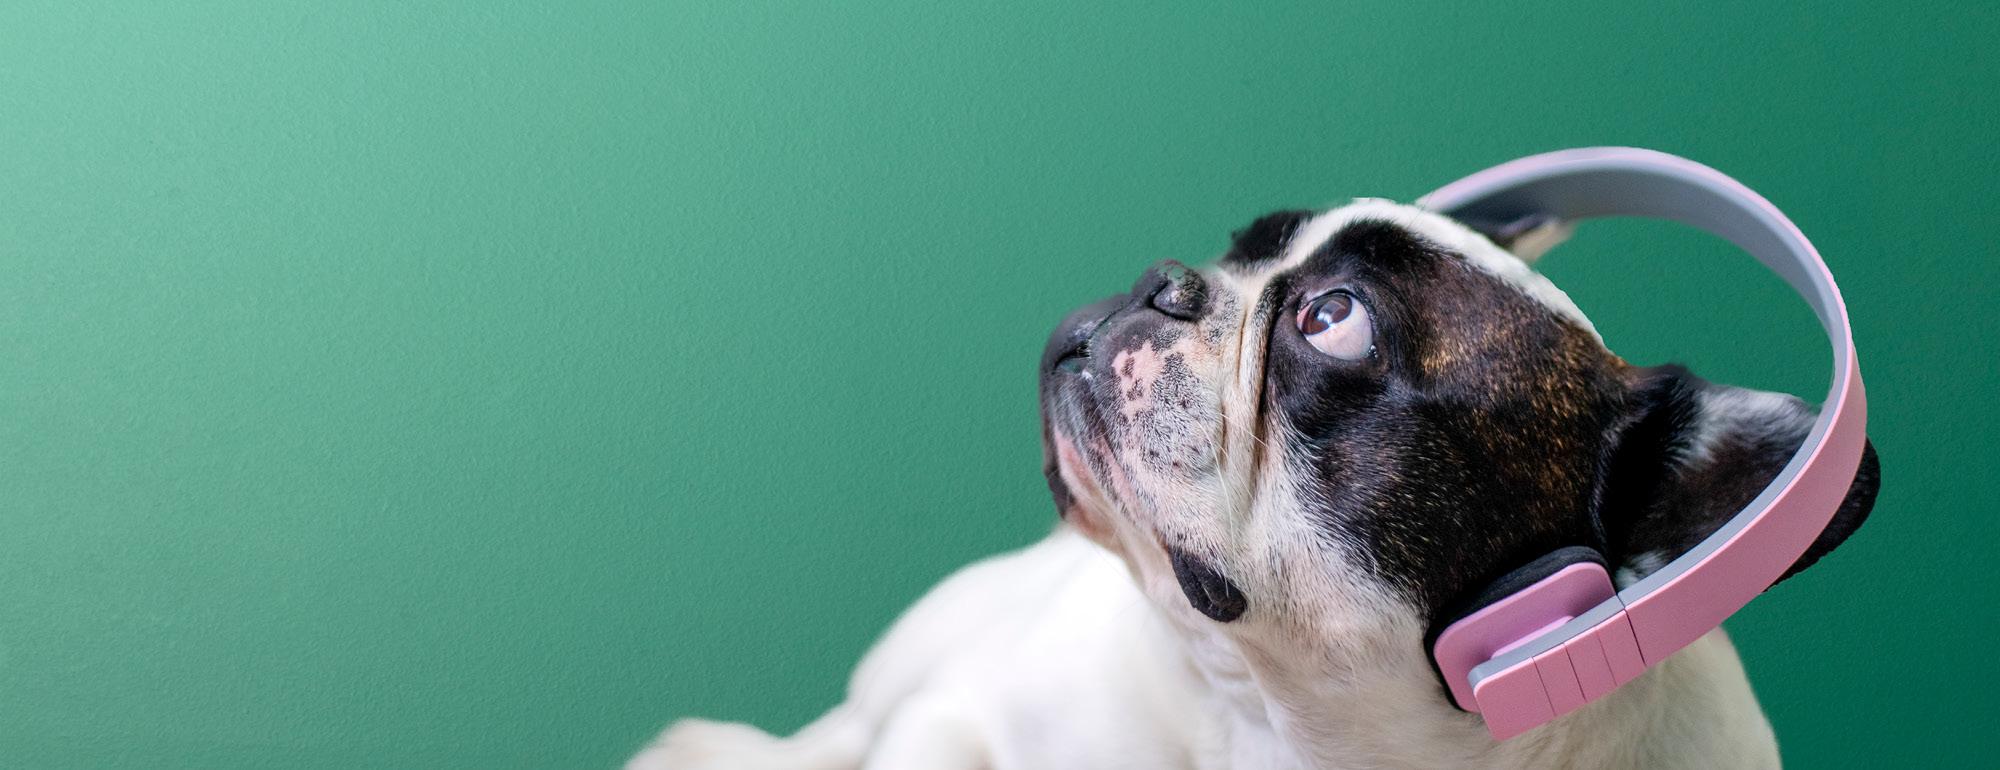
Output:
[[1691, 454], [1266, 237], [1526, 237]]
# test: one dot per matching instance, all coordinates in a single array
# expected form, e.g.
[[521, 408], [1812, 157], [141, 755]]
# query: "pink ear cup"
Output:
[[1499, 627]]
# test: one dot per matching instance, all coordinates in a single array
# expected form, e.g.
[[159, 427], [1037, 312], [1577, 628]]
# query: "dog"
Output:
[[1273, 475]]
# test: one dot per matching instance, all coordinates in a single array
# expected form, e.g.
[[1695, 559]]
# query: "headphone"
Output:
[[1555, 633]]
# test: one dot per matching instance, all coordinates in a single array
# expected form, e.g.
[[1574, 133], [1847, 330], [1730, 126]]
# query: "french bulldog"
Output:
[[1274, 475]]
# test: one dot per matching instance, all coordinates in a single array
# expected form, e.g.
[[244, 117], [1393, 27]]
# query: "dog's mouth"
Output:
[[1209, 591], [1069, 410]]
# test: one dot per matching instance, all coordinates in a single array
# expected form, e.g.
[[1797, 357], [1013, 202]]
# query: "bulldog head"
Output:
[[1314, 447]]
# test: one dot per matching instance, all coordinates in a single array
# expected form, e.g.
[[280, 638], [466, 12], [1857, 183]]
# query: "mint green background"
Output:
[[482, 386]]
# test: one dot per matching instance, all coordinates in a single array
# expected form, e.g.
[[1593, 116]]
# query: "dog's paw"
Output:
[[698, 744]]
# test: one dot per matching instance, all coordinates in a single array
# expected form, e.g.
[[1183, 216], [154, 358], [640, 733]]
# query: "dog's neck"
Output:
[[1695, 710]]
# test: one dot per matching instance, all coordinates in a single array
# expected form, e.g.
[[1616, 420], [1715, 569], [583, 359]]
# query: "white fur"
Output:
[[1050, 658], [1743, 412]]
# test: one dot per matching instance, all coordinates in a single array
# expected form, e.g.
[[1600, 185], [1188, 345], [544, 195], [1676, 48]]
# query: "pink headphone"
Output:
[[1554, 634]]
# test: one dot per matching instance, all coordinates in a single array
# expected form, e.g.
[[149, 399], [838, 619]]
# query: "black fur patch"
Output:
[[1264, 238], [1469, 445]]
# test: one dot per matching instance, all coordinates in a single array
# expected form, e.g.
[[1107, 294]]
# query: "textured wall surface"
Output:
[[482, 385]]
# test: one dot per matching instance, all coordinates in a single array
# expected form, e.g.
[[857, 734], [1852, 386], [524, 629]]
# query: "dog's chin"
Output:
[[1082, 504]]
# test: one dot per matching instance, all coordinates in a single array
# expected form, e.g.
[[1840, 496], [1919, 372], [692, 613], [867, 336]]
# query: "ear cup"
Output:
[[1513, 582]]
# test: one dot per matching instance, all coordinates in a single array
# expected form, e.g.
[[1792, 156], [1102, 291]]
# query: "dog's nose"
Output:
[[1174, 289]]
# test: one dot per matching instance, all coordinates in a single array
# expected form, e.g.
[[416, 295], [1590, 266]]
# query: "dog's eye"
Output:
[[1338, 326]]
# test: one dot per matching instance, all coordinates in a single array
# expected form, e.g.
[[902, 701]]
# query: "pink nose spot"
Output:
[[1137, 370]]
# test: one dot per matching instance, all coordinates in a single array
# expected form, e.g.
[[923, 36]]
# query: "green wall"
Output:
[[482, 386]]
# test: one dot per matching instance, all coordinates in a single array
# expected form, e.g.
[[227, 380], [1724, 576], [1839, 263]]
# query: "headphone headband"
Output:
[[1543, 653]]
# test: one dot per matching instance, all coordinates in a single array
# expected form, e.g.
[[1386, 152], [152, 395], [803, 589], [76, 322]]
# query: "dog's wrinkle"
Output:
[[1249, 375], [1267, 303]]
